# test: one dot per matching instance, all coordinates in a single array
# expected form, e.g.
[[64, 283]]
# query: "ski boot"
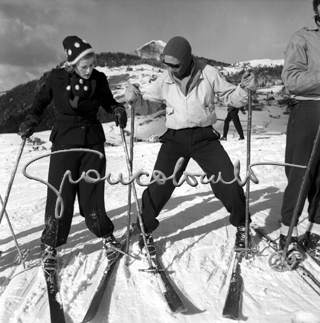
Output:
[[292, 248], [49, 259], [112, 246], [311, 242], [240, 242], [150, 244]]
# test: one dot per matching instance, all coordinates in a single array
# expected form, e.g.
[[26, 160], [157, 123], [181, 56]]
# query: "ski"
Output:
[[232, 306], [55, 302], [305, 274], [167, 287], [98, 295], [302, 245]]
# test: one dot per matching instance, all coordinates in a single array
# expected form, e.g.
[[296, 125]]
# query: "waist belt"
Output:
[[76, 119]]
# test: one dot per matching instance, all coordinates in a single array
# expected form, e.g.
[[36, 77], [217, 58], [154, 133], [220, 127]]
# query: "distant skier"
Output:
[[188, 88], [233, 114], [301, 77], [78, 90]]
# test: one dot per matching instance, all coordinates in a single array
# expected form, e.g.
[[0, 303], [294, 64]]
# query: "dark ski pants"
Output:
[[203, 146], [234, 116], [90, 196], [303, 123]]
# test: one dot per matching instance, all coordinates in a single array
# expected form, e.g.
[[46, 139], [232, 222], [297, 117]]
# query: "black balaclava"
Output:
[[315, 6], [179, 48], [315, 9]]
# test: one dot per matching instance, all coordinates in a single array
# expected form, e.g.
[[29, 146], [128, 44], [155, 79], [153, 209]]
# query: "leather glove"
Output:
[[249, 82], [120, 116], [26, 128], [132, 93]]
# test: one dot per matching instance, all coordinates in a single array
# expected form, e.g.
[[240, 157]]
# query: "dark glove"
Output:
[[26, 128], [120, 116], [249, 82]]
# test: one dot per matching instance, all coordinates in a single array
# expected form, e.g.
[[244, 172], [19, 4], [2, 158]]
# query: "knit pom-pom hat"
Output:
[[179, 48], [76, 48]]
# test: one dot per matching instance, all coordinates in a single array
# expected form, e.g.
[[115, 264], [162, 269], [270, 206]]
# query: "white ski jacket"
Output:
[[197, 108]]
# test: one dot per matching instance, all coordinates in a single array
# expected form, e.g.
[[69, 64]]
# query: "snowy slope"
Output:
[[262, 62], [195, 238], [239, 66]]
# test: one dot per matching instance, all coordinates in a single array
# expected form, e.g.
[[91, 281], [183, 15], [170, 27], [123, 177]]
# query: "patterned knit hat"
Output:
[[179, 48], [76, 48]]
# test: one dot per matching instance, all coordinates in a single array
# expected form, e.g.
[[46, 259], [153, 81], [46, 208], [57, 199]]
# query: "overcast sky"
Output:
[[31, 31]]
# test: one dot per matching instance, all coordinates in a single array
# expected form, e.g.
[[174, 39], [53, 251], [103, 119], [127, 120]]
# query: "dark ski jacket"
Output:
[[79, 125]]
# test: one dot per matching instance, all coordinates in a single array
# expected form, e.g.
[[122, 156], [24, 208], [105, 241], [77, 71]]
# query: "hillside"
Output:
[[154, 48], [16, 103]]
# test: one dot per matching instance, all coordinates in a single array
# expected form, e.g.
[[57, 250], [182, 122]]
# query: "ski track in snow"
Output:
[[196, 251], [195, 245], [194, 239]]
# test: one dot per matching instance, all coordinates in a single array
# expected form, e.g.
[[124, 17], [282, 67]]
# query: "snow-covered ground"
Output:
[[239, 66], [195, 239], [262, 62]]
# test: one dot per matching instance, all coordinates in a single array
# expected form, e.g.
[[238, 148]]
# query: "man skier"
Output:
[[187, 88], [233, 114]]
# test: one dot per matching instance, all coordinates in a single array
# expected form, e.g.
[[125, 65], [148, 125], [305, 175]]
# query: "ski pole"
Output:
[[249, 122], [301, 191], [130, 173], [124, 253], [11, 179], [136, 199], [22, 255]]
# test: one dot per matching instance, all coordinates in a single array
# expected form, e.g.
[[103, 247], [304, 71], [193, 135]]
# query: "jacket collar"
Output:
[[196, 71], [63, 74], [313, 25]]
